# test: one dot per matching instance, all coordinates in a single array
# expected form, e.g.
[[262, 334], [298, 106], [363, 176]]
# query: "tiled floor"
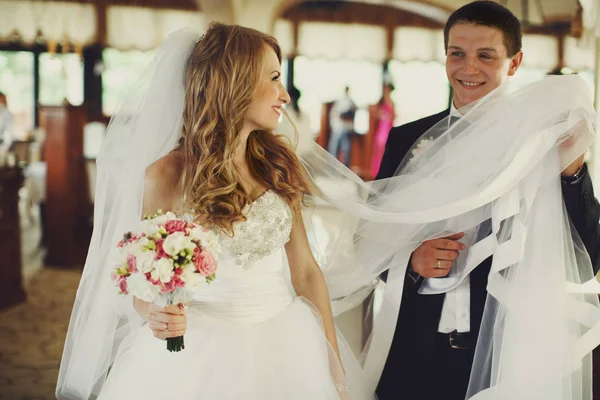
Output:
[[32, 334]]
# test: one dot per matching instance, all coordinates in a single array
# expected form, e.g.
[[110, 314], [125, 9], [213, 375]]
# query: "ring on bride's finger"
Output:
[[439, 264], [166, 328]]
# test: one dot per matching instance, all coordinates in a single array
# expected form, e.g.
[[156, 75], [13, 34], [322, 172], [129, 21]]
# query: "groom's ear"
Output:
[[515, 63]]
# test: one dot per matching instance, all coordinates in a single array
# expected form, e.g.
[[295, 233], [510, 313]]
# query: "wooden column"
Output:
[[36, 86], [290, 73], [67, 210], [11, 284], [92, 82]]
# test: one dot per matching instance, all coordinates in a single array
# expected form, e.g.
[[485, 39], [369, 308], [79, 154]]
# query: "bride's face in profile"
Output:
[[270, 95]]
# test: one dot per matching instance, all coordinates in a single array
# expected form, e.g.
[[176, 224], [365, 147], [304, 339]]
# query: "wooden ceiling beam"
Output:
[[387, 16], [188, 5], [359, 13]]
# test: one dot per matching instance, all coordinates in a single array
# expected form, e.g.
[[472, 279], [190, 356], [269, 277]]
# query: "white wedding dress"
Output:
[[248, 335]]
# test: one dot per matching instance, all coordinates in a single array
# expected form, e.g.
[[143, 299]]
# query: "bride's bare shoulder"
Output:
[[166, 169], [160, 183]]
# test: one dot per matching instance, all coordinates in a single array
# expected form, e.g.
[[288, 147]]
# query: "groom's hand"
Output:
[[433, 258], [573, 146]]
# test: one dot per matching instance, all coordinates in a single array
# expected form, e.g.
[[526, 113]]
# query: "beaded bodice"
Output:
[[267, 228], [251, 285]]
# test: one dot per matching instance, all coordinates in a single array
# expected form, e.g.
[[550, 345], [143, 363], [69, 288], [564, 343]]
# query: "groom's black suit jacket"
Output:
[[410, 368]]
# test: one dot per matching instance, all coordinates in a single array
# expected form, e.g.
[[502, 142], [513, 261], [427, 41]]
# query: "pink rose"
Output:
[[160, 251], [179, 283], [175, 226], [174, 283], [204, 262], [131, 264], [167, 287], [123, 284]]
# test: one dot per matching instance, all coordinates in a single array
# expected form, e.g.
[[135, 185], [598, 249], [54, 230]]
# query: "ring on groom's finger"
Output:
[[166, 326], [439, 264]]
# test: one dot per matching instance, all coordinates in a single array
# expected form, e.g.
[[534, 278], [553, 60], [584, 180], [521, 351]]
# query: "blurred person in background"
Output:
[[5, 124], [386, 114], [342, 126]]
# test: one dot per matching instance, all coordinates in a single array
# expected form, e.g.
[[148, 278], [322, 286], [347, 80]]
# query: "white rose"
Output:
[[208, 240], [213, 244], [160, 220], [135, 249], [176, 242], [170, 216], [163, 270], [163, 219], [145, 261], [193, 281], [140, 287], [198, 234], [149, 227]]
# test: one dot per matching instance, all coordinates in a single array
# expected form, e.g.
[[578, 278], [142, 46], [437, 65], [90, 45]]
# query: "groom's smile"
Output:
[[470, 84]]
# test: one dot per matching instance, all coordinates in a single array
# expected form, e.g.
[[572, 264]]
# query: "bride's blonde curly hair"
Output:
[[223, 73]]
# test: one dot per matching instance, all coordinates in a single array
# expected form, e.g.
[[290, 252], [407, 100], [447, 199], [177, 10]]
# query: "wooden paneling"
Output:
[[11, 284], [67, 209]]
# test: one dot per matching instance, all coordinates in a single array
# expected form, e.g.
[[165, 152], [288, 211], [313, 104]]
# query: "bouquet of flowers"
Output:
[[166, 261]]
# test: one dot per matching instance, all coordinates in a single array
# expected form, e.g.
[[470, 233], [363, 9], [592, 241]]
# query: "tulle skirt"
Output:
[[283, 357]]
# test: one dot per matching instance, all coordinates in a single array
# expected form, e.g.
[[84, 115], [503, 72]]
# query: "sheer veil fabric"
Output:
[[501, 163], [498, 166], [146, 127]]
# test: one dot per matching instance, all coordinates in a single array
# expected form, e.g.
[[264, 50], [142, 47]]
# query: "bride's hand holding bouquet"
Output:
[[163, 264]]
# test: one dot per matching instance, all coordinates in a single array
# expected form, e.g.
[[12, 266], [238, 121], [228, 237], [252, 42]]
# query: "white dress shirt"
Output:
[[456, 312]]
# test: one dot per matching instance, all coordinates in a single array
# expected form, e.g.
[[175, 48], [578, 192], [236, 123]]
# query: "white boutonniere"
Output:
[[423, 145]]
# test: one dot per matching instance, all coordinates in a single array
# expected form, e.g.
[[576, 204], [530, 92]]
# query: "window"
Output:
[[420, 89], [61, 78], [16, 82], [120, 68]]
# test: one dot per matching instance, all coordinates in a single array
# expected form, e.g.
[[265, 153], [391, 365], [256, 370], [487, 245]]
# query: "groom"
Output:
[[433, 346]]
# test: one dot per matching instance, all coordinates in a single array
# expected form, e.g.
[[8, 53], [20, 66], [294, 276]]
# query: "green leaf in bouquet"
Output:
[[122, 270], [158, 213]]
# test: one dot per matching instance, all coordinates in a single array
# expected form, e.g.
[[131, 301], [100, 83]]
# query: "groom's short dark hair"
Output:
[[488, 13]]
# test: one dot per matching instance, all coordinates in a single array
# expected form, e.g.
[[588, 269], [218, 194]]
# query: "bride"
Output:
[[247, 334]]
